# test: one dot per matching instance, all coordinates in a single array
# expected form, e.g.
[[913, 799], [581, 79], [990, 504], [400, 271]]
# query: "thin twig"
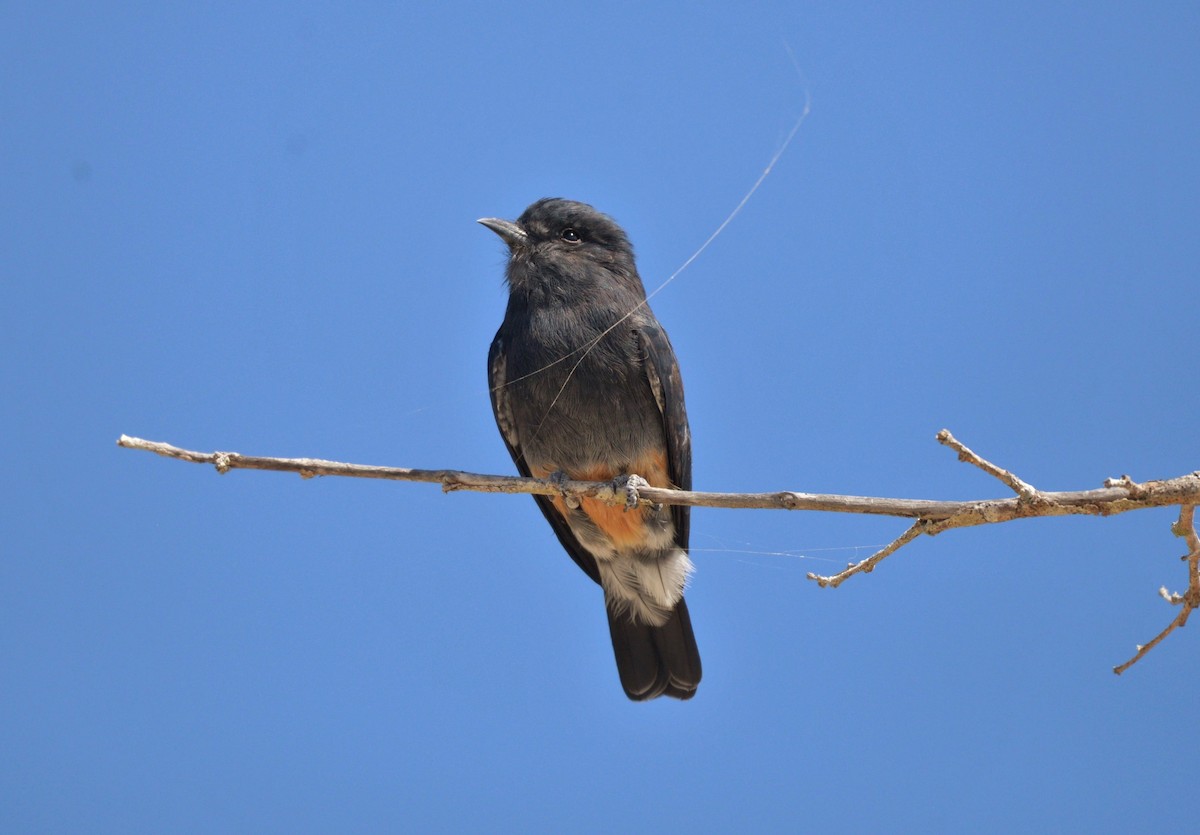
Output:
[[1021, 488], [868, 565], [1190, 600]]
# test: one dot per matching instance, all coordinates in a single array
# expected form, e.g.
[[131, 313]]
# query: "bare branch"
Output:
[[1103, 501], [930, 517], [311, 467]]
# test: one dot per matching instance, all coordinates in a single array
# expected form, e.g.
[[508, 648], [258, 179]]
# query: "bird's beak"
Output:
[[511, 234]]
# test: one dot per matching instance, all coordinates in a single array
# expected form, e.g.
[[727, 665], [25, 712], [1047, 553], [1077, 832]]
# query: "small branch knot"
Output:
[[1135, 490], [1174, 598], [1191, 599]]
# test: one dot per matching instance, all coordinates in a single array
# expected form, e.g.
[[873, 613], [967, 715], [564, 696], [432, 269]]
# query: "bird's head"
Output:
[[561, 247]]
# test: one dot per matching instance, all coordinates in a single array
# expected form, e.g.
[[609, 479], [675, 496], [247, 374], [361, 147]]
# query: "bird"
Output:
[[585, 386]]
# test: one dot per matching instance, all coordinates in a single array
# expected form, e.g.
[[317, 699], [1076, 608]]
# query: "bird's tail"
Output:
[[655, 661]]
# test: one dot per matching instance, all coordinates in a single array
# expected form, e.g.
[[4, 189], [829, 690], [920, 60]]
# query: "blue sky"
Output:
[[253, 229]]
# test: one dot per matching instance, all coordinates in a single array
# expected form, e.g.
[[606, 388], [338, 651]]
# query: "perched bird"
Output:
[[585, 386]]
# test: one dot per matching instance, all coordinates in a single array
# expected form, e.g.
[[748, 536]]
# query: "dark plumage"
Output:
[[584, 382]]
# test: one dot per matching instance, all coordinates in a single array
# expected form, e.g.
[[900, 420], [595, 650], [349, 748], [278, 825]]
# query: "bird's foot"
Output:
[[630, 484], [559, 479]]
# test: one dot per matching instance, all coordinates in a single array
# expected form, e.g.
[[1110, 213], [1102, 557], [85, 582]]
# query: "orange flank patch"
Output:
[[624, 527]]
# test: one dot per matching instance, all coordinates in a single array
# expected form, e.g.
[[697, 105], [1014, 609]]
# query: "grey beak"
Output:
[[508, 231]]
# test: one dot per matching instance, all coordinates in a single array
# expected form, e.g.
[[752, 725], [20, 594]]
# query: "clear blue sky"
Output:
[[254, 229]]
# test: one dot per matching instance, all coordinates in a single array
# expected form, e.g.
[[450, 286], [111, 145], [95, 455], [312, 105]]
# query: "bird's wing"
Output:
[[662, 370]]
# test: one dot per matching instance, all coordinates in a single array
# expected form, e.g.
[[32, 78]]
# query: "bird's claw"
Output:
[[559, 479], [630, 484]]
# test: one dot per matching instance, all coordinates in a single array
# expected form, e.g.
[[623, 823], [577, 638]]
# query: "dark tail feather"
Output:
[[656, 660]]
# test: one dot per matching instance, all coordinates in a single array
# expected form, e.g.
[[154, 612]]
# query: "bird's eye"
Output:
[[570, 235]]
